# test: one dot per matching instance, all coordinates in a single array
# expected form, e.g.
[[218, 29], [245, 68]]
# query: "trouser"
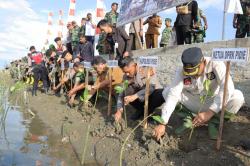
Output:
[[193, 103], [151, 40], [74, 49], [243, 31], [155, 100], [133, 40], [197, 38], [69, 48], [40, 73], [183, 34], [91, 39]]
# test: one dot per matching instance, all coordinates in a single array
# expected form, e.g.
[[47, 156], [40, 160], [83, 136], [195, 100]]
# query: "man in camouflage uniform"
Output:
[[166, 33], [199, 32], [111, 17], [75, 37], [242, 21]]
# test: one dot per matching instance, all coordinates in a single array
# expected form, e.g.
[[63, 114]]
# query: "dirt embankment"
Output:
[[105, 142]]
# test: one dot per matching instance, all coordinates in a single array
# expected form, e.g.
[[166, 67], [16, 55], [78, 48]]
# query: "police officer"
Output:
[[166, 33], [242, 21], [200, 78], [39, 70]]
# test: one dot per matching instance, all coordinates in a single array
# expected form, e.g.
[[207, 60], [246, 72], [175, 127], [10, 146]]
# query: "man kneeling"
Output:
[[135, 93], [198, 87]]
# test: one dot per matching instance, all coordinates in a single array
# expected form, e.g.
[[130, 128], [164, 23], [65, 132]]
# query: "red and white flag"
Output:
[[100, 12], [60, 24], [234, 6], [72, 10], [49, 31]]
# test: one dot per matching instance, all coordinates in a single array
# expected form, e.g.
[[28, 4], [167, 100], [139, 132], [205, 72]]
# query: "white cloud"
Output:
[[22, 27]]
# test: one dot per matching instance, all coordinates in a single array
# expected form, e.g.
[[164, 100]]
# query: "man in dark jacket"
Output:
[[116, 35], [85, 50], [185, 20]]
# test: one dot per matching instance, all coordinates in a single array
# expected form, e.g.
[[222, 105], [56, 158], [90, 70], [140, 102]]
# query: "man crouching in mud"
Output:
[[196, 94]]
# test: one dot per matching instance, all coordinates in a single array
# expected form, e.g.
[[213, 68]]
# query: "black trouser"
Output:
[[155, 100], [40, 73], [242, 32], [183, 34], [69, 48]]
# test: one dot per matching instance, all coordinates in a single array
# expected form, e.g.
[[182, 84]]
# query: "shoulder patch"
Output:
[[187, 81], [211, 76]]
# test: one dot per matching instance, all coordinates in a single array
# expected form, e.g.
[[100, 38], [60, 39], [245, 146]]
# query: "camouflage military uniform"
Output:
[[75, 39], [199, 32], [243, 21], [111, 17], [166, 35]]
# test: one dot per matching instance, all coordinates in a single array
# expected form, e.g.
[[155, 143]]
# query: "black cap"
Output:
[[191, 59], [57, 39], [32, 48]]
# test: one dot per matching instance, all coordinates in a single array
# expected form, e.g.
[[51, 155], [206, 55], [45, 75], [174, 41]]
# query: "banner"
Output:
[[132, 10]]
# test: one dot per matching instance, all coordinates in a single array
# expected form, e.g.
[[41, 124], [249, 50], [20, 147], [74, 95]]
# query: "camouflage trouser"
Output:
[[242, 31], [198, 37]]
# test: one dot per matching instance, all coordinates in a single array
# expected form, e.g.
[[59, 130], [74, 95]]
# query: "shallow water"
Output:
[[26, 141]]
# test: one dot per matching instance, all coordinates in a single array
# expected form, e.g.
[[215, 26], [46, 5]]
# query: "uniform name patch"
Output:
[[187, 81], [211, 76]]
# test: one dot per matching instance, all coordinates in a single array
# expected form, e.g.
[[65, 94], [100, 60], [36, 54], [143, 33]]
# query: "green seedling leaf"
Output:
[[188, 123], [125, 84], [12, 89], [158, 119], [119, 89]]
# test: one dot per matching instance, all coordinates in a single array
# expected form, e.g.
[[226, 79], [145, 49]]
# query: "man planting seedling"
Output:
[[135, 92], [198, 88]]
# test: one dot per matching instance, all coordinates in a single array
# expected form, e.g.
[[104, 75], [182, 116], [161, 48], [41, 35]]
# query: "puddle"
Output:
[[26, 141]]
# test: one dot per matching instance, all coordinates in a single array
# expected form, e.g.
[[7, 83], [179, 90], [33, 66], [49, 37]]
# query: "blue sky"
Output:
[[24, 22]]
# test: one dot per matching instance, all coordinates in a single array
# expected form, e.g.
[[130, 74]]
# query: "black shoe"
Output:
[[137, 115]]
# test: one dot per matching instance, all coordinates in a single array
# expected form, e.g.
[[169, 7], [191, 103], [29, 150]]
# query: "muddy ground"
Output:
[[105, 140]]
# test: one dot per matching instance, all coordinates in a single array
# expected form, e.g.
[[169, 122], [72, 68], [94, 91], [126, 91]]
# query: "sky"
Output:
[[24, 22]]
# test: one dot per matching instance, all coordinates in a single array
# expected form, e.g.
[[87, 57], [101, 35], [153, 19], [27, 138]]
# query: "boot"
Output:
[[34, 92]]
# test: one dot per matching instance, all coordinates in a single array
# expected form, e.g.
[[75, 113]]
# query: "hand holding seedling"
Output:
[[202, 117], [118, 115], [159, 131], [129, 99]]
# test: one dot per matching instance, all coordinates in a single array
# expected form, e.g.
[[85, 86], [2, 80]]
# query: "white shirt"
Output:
[[215, 71], [90, 31]]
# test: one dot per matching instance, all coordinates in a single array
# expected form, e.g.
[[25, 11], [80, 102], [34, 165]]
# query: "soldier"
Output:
[[83, 27], [242, 22], [199, 32], [198, 87], [166, 33], [154, 24], [75, 37], [112, 16]]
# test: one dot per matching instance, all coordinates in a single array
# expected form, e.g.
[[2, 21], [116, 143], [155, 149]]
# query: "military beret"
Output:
[[191, 59]]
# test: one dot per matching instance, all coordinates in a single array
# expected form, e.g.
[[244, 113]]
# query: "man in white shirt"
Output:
[[90, 29], [199, 87]]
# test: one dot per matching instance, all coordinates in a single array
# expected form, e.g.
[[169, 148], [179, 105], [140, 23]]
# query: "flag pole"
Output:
[[224, 21]]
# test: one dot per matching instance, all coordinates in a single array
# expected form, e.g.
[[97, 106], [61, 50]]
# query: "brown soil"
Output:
[[105, 140]]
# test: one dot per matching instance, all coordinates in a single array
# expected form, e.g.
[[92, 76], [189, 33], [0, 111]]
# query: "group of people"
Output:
[[64, 68]]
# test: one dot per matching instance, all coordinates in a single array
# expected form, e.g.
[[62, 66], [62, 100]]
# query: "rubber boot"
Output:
[[34, 92]]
